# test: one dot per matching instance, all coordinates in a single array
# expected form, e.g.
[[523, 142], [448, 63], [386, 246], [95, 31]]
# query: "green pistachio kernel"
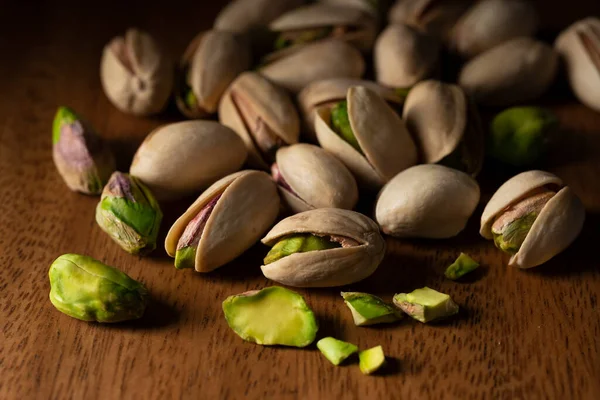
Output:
[[368, 309], [426, 304], [336, 350], [299, 243], [340, 124], [371, 360], [462, 266], [294, 38]]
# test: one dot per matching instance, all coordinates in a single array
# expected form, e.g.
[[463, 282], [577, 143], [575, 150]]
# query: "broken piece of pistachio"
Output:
[[462, 266], [368, 309], [371, 360], [336, 351], [426, 304]]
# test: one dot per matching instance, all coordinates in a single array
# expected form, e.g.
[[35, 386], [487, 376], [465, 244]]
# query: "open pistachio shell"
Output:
[[404, 56], [332, 267], [247, 207], [432, 16], [262, 114], [315, 178], [245, 15], [386, 145], [329, 59], [427, 201], [579, 46], [516, 71], [136, 75], [178, 159]]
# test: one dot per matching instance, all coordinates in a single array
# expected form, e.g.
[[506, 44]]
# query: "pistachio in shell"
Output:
[[345, 247], [367, 121], [243, 16], [427, 201], [435, 17], [179, 159], [226, 220], [533, 216], [136, 74], [262, 114], [82, 158]]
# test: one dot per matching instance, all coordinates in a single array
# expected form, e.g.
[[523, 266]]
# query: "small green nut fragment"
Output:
[[299, 243], [336, 350], [129, 213], [519, 135], [340, 123], [462, 266], [426, 304], [86, 289], [402, 92], [371, 360], [368, 309], [271, 316]]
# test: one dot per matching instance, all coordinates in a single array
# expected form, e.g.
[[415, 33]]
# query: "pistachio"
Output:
[[136, 74], [86, 289], [178, 159], [226, 220], [432, 16], [358, 251], [492, 22], [246, 15], [371, 360], [579, 46], [271, 316], [299, 243], [336, 351], [426, 305], [533, 216], [308, 177], [368, 309], [262, 114], [445, 125], [427, 201], [129, 214], [210, 63], [462, 266], [404, 56], [82, 159], [515, 71], [323, 60], [384, 144]]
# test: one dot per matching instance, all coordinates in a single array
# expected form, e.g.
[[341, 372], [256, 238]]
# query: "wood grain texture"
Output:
[[520, 334]]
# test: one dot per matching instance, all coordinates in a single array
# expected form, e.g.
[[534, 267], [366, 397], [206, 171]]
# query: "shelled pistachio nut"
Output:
[[246, 15], [492, 22], [367, 136], [445, 125], [210, 63], [579, 46], [432, 16], [516, 71], [404, 56], [262, 114], [129, 214], [323, 248], [368, 309], [181, 158], [533, 216], [226, 220], [136, 74], [427, 201], [82, 158], [86, 289], [308, 177], [336, 351], [426, 305], [323, 60]]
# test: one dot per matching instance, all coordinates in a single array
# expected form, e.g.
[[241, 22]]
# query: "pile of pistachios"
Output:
[[276, 73]]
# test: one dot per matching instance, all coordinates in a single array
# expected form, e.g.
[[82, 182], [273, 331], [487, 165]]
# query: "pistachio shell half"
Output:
[[427, 201], [243, 206], [432, 16], [361, 249], [245, 15], [178, 159], [136, 75]]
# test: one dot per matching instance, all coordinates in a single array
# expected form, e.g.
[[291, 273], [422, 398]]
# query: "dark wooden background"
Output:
[[520, 335]]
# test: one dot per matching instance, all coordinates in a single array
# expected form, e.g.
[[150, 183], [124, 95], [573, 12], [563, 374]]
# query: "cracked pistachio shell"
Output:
[[441, 119], [323, 60], [386, 145], [516, 71], [181, 158], [272, 107], [245, 15], [556, 227], [326, 268], [136, 75], [432, 16], [318, 179], [579, 47], [404, 56], [427, 201], [210, 63], [248, 206], [492, 22]]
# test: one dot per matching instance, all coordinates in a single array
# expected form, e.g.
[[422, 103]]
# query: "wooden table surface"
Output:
[[521, 334]]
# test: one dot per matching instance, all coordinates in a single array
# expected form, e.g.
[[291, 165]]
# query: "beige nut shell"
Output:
[[248, 206], [319, 179], [432, 16], [427, 201], [181, 158], [244, 15], [332, 267]]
